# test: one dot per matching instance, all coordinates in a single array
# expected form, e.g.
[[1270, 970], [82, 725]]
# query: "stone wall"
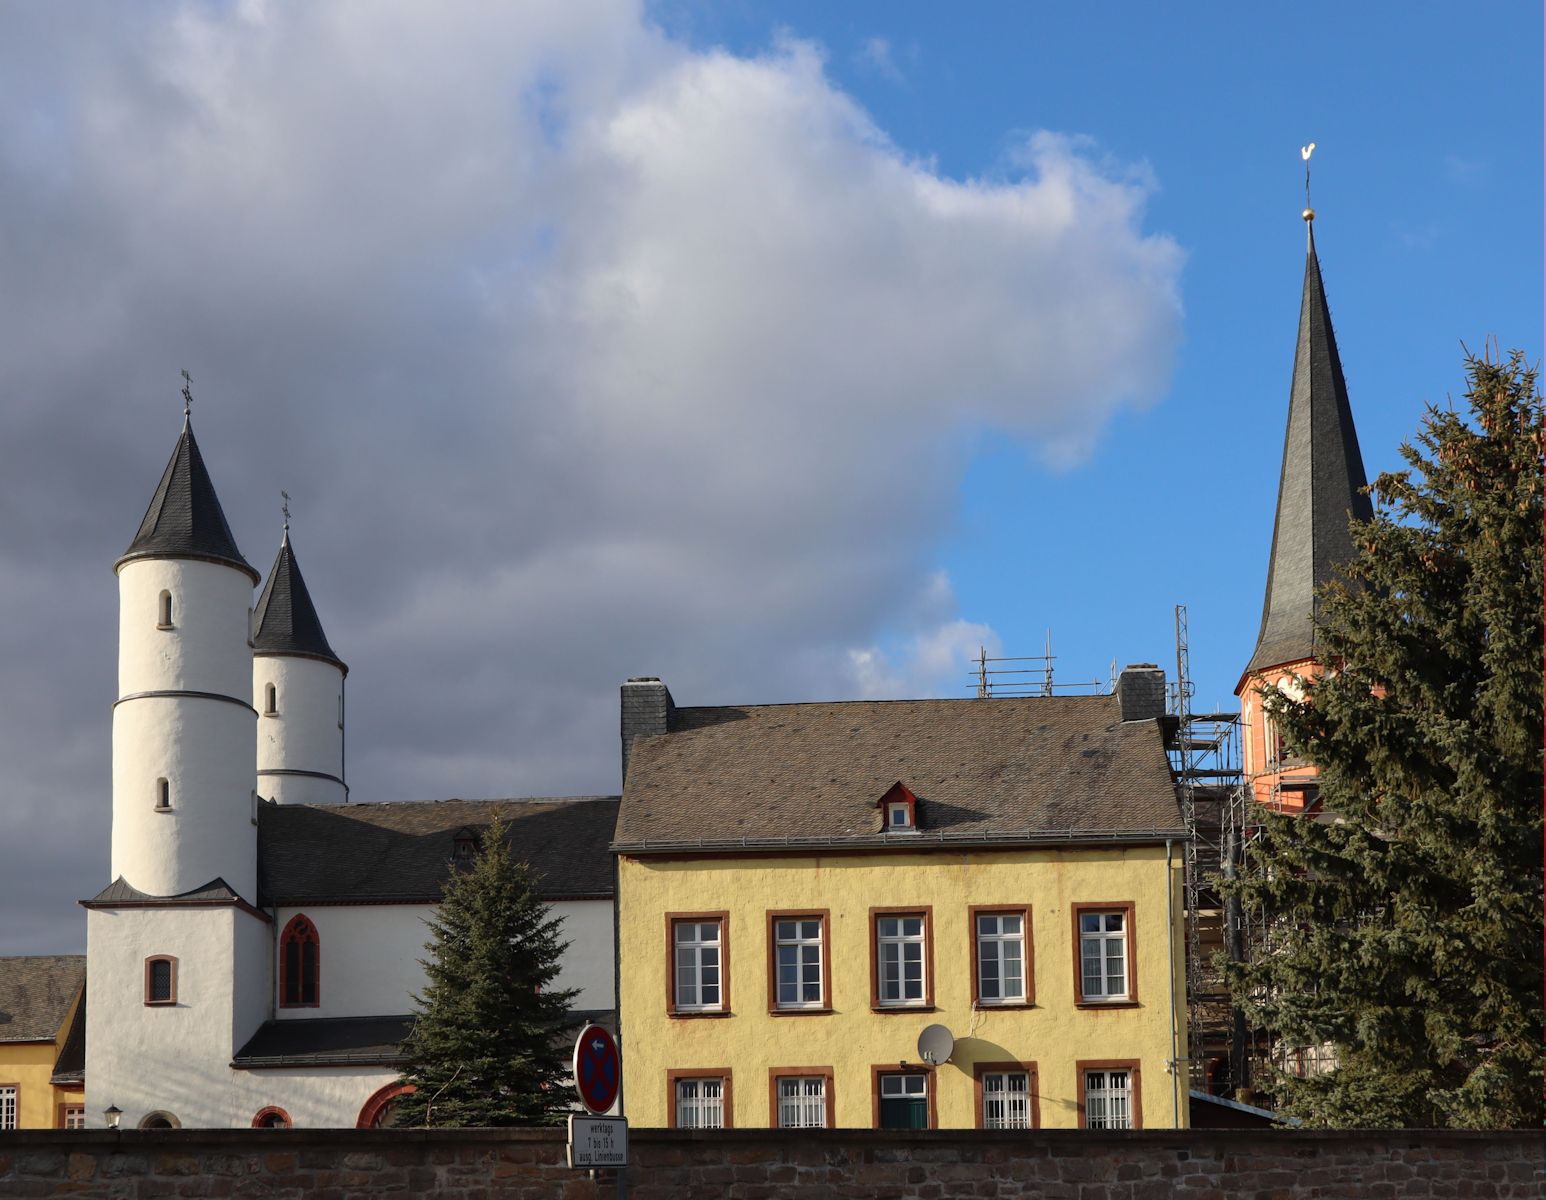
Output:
[[763, 1165]]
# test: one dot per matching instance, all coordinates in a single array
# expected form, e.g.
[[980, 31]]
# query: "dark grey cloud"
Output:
[[583, 356]]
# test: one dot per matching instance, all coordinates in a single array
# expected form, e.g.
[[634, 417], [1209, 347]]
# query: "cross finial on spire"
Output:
[[284, 507], [187, 393], [1304, 153]]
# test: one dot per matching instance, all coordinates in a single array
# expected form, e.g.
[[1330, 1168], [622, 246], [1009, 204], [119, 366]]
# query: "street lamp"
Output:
[[114, 1114]]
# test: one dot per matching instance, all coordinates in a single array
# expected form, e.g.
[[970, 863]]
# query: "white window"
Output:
[[75, 1116], [1108, 1099], [1103, 955], [802, 1102], [1001, 958], [8, 1106], [899, 815], [700, 1103], [698, 963], [900, 946], [1006, 1100], [904, 1101], [797, 961]]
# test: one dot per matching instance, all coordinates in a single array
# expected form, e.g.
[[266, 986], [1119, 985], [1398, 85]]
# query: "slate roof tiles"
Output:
[[36, 993]]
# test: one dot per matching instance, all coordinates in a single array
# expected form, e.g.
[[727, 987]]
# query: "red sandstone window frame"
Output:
[[62, 1113], [926, 911], [296, 930], [1027, 953], [1130, 931], [824, 915], [260, 1118], [931, 1090], [376, 1105], [673, 919], [1134, 1083], [170, 998], [726, 1092], [777, 1075], [1033, 1091]]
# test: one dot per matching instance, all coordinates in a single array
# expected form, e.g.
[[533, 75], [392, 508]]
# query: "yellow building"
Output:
[[42, 1042], [804, 889]]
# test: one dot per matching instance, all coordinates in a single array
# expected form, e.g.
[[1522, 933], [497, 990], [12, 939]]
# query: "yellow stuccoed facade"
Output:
[[1054, 1032], [28, 1066]]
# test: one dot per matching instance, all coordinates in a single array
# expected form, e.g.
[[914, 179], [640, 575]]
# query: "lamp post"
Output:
[[114, 1114]]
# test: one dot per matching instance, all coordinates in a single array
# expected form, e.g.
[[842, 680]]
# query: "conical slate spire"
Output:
[[286, 620], [1319, 489], [184, 519]]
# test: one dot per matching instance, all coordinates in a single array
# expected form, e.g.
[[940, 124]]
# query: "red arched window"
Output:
[[271, 1117], [377, 1111], [300, 955]]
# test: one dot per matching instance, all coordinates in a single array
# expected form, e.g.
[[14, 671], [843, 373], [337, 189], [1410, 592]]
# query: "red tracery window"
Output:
[[299, 962]]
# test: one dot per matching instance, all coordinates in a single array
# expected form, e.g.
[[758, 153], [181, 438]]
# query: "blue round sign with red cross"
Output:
[[598, 1069]]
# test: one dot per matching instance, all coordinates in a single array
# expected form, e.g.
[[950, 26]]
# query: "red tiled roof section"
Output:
[[980, 768]]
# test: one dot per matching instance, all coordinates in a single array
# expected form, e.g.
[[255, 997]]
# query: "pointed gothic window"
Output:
[[164, 611], [299, 962]]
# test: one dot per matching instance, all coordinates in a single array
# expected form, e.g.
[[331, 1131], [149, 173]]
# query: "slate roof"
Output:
[[285, 619], [1022, 770], [185, 519], [1318, 488], [36, 993], [326, 1041], [70, 1066], [399, 853], [121, 892]]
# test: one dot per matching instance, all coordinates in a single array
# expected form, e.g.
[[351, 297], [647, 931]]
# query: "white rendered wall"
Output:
[[370, 953], [305, 733], [204, 747], [314, 1098]]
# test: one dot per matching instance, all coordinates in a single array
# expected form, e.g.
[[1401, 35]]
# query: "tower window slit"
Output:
[[164, 611], [270, 700], [163, 794]]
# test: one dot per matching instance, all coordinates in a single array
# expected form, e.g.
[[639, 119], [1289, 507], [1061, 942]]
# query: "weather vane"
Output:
[[1304, 153], [187, 393], [285, 508]]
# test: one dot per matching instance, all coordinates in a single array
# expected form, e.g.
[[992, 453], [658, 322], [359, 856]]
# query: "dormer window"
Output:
[[899, 810], [164, 611], [464, 848]]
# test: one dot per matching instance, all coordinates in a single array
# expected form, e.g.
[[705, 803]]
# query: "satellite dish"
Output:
[[935, 1044]]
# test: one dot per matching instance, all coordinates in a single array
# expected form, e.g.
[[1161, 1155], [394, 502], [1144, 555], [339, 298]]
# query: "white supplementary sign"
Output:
[[598, 1141]]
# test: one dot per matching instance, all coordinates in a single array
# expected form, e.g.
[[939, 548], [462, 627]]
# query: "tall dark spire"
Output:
[[286, 620], [1320, 486], [184, 519]]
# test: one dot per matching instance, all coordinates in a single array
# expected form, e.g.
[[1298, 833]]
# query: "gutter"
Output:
[[910, 841]]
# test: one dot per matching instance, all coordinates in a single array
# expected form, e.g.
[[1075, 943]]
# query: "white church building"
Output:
[[253, 959]]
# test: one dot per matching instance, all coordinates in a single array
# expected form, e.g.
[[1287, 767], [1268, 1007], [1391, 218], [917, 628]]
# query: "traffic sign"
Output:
[[598, 1142], [598, 1069]]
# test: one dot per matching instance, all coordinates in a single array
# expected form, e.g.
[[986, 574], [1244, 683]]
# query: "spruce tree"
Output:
[[486, 1047], [1405, 926]]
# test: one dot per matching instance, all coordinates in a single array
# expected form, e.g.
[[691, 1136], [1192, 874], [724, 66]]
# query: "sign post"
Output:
[[598, 1141]]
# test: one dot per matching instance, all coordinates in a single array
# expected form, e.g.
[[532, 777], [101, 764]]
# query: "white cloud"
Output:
[[583, 353]]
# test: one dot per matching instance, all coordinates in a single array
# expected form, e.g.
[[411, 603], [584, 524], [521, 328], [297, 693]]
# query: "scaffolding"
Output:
[[1027, 675], [1210, 784]]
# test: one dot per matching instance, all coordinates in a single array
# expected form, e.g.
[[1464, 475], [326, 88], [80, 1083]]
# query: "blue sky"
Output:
[[1427, 185], [785, 351]]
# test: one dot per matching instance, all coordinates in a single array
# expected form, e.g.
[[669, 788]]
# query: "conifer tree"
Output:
[[486, 1047], [1405, 926]]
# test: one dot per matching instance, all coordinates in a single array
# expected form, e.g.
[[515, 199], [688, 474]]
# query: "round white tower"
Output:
[[183, 731], [298, 690]]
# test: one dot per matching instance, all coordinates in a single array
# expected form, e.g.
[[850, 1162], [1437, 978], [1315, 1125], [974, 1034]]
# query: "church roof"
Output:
[[1018, 771], [1319, 488], [285, 619], [36, 993], [401, 853], [326, 1042], [185, 519]]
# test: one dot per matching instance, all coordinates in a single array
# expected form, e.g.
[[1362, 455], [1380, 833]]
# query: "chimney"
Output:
[[647, 708], [1141, 692]]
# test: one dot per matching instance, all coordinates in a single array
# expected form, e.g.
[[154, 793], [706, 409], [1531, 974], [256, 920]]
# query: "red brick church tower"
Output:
[[1320, 488]]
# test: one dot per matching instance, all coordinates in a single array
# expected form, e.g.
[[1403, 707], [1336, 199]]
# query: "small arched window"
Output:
[[377, 1112], [160, 1119], [163, 795], [270, 700], [160, 979], [299, 965], [271, 1117], [164, 611]]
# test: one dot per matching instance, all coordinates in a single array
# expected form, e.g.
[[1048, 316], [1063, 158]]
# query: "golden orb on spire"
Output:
[[1308, 214]]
